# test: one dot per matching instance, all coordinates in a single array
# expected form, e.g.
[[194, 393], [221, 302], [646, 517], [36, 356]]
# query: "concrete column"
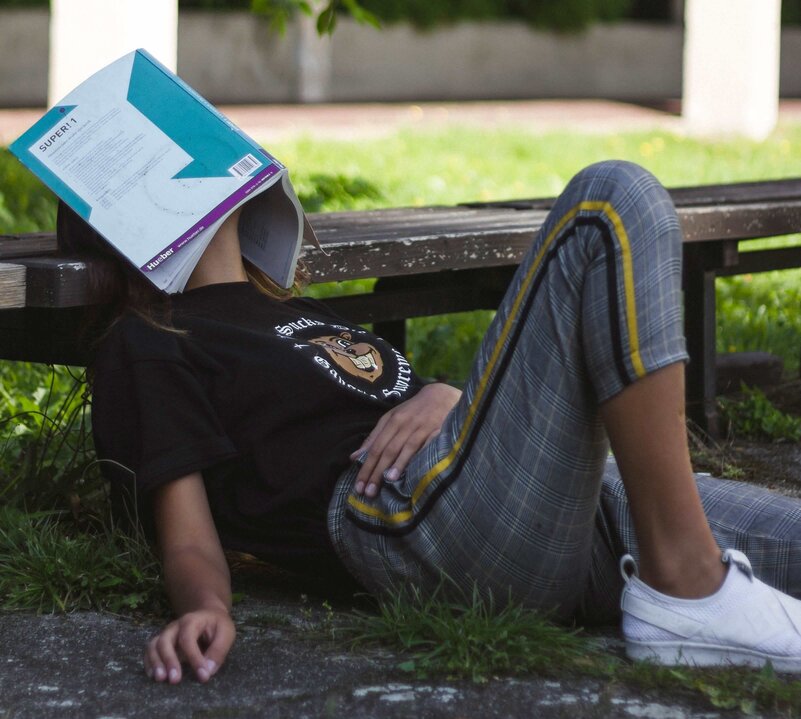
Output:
[[85, 35], [313, 58], [731, 67]]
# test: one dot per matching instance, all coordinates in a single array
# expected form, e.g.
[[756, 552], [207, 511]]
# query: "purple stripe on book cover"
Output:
[[221, 209]]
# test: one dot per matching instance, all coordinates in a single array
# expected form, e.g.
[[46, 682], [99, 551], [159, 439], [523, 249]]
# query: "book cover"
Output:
[[156, 169]]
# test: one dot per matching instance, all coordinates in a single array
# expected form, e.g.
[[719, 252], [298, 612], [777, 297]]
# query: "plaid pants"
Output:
[[516, 495]]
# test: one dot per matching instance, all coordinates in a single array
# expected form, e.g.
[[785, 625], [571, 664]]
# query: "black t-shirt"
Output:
[[267, 398]]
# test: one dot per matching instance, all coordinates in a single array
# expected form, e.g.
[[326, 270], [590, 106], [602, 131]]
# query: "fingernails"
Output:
[[211, 666], [359, 487], [173, 675], [161, 674], [372, 490], [392, 474]]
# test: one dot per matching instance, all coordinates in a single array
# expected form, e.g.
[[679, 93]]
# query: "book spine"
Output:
[[225, 207]]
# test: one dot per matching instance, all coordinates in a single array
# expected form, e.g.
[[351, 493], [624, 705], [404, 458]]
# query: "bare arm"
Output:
[[197, 581]]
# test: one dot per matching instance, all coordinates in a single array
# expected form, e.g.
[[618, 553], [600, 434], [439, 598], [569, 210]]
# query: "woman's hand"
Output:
[[400, 433], [201, 638]]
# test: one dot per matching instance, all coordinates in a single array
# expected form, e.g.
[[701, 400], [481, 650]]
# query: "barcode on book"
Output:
[[245, 166]]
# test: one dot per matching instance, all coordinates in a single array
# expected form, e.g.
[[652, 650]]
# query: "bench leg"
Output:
[[699, 328]]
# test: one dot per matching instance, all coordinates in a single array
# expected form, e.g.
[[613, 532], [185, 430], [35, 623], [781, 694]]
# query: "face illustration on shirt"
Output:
[[359, 359]]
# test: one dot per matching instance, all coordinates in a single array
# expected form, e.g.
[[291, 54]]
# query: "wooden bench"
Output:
[[429, 261]]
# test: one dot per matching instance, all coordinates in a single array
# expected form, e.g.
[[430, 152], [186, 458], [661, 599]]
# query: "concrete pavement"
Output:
[[353, 121]]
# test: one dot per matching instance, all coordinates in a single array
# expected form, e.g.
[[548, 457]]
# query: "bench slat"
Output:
[[39, 243], [720, 194], [740, 222], [383, 243], [737, 193], [375, 225], [12, 285]]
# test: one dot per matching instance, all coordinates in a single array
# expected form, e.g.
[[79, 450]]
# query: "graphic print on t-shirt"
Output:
[[356, 358], [352, 357]]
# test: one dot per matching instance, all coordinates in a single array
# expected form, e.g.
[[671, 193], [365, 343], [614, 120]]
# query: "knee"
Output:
[[636, 196], [612, 179]]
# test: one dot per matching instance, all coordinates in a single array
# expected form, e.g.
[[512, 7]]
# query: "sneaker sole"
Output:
[[707, 655]]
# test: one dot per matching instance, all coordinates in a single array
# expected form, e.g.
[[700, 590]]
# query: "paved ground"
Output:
[[87, 666], [268, 122]]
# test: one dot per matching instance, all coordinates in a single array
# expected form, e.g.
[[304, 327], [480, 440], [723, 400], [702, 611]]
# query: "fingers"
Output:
[[389, 455], [161, 658], [188, 637], [220, 644], [185, 639], [399, 434]]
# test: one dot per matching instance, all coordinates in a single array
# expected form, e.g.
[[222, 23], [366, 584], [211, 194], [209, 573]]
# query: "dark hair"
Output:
[[112, 280]]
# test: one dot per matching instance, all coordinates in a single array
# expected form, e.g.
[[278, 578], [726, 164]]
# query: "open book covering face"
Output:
[[155, 169]]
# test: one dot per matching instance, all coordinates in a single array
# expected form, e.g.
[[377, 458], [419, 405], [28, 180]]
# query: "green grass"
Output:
[[418, 167], [49, 565], [468, 637]]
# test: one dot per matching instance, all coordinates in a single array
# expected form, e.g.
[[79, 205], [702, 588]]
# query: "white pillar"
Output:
[[731, 67], [313, 58], [85, 35]]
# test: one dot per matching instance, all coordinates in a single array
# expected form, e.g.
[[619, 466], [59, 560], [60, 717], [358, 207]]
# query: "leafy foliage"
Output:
[[791, 12], [279, 12], [554, 14], [756, 312], [755, 416], [334, 192], [444, 346], [26, 205], [45, 443]]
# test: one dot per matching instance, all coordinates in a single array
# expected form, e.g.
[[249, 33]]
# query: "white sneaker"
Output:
[[745, 623]]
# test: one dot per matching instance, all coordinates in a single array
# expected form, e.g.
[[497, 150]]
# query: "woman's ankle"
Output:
[[696, 577]]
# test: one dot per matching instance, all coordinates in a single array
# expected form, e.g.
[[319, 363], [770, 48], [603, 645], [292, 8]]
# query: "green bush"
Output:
[[444, 346], [45, 444], [755, 417], [791, 12], [761, 312], [26, 205], [214, 4], [556, 14], [334, 192]]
